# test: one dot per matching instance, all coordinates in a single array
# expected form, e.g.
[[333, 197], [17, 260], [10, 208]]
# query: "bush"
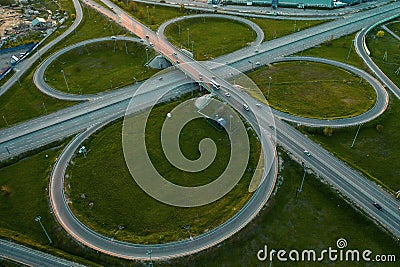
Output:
[[328, 131], [380, 34]]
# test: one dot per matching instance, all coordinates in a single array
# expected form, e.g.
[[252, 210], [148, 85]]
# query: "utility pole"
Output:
[[354, 140], [38, 219], [65, 79]]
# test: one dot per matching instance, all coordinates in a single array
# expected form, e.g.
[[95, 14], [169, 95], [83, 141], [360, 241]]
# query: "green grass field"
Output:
[[314, 90], [227, 36], [100, 68], [388, 45], [145, 219], [154, 15], [313, 220], [341, 49], [23, 196], [277, 28], [376, 150]]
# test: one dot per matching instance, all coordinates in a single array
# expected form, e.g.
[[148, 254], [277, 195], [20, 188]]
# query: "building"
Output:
[[296, 3], [38, 23]]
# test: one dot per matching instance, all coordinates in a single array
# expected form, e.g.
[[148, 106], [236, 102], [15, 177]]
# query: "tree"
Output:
[[141, 14], [132, 6], [182, 8], [152, 20], [328, 131], [380, 34], [379, 127], [73, 16]]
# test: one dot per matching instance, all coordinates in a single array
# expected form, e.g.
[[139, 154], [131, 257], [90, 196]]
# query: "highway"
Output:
[[267, 12], [363, 52], [31, 257], [355, 187]]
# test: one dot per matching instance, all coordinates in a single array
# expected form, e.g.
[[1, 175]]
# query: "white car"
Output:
[[227, 94], [307, 153]]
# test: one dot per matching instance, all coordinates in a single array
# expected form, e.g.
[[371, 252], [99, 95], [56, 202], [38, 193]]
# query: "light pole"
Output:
[[188, 36], [354, 140], [148, 14], [302, 181], [147, 55], [65, 79], [38, 219], [149, 253], [269, 86], [251, 62], [4, 118], [192, 48]]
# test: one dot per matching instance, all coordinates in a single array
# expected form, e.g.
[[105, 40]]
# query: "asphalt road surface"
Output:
[[355, 187]]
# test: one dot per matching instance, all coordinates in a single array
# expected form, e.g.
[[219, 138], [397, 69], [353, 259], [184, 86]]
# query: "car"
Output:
[[246, 107], [376, 205], [258, 63], [147, 36], [256, 51], [178, 61], [227, 94], [113, 37], [200, 77], [259, 105], [151, 44], [307, 153]]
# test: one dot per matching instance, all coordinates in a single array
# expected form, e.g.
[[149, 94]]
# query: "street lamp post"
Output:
[[38, 219], [65, 79], [4, 118], [148, 14], [149, 253], [188, 35], [147, 55], [269, 86], [302, 181], [355, 137], [251, 62]]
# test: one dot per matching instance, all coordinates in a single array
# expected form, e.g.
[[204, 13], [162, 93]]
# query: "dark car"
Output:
[[376, 205]]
